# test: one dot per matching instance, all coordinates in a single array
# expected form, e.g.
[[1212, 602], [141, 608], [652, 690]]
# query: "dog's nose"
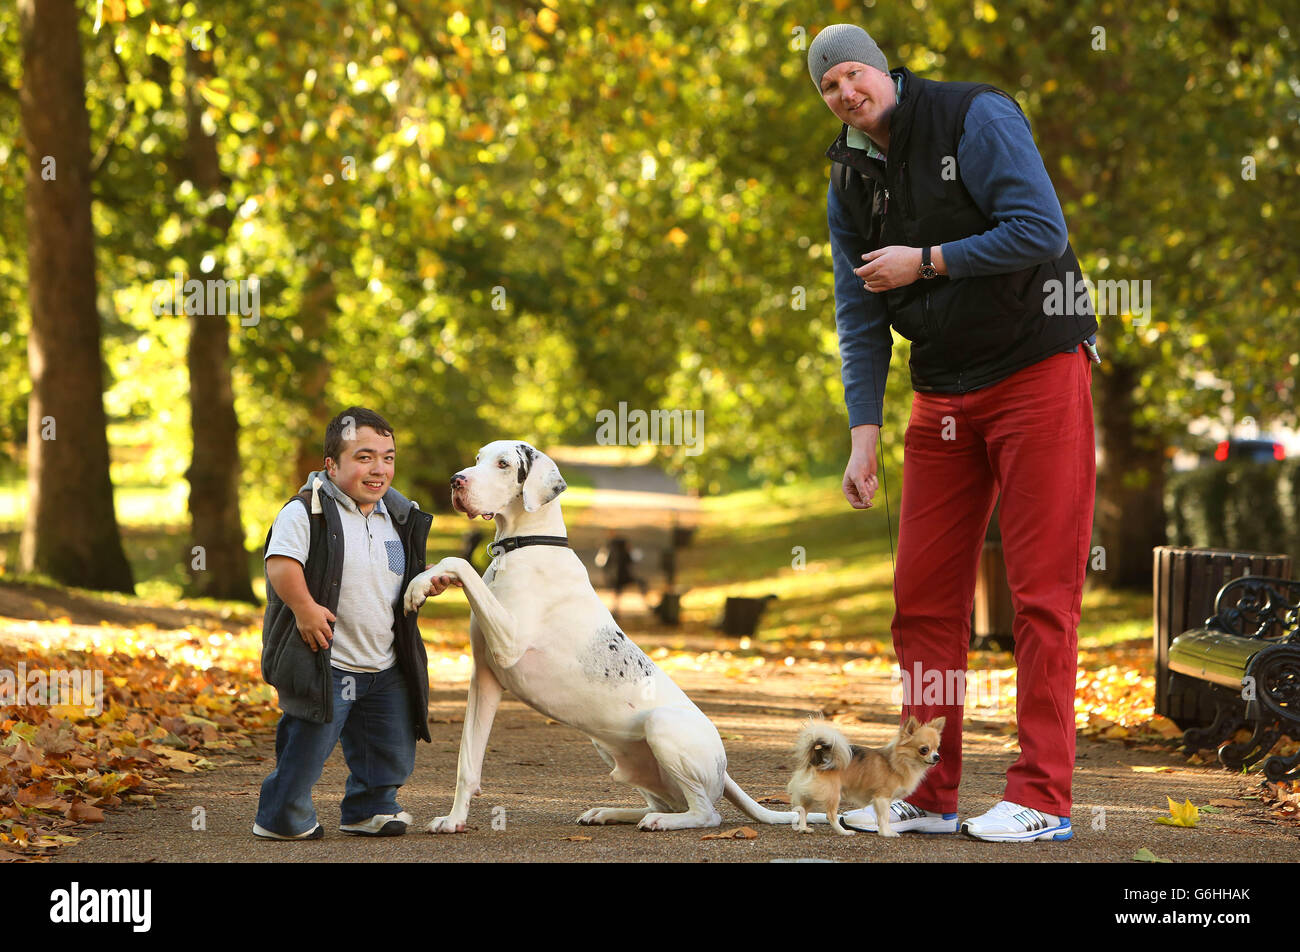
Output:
[[457, 481]]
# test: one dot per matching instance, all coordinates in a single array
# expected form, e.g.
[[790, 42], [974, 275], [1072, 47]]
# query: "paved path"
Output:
[[539, 776]]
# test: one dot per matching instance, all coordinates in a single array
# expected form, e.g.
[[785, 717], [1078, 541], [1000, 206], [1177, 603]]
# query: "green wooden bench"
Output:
[[1244, 662]]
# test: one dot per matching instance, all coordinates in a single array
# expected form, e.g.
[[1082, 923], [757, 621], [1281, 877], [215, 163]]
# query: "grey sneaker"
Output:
[[902, 818], [381, 824], [315, 833]]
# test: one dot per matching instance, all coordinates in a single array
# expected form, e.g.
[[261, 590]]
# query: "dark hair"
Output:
[[356, 417]]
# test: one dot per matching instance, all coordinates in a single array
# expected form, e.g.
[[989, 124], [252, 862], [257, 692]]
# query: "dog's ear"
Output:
[[541, 478], [938, 723], [909, 728]]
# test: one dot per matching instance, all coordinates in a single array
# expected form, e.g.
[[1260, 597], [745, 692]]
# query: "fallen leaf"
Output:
[[1165, 727], [1231, 803], [24, 753], [740, 833], [1152, 769], [195, 719], [33, 799], [578, 839], [180, 760], [1184, 815], [85, 813], [55, 738], [1144, 855]]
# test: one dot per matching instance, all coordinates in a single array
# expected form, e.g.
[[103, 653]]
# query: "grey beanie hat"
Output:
[[843, 43]]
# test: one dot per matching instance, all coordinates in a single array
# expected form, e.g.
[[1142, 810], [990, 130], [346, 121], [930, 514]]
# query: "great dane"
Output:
[[538, 629]]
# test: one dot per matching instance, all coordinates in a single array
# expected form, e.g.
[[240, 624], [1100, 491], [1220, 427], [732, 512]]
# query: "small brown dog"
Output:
[[830, 769]]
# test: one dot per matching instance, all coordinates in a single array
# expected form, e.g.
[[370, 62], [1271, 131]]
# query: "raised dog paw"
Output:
[[445, 824], [417, 592]]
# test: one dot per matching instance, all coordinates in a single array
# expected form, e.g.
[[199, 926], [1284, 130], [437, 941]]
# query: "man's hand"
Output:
[[426, 585], [314, 625], [895, 266], [860, 482], [438, 584]]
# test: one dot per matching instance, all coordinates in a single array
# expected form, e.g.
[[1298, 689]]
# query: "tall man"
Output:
[[944, 223]]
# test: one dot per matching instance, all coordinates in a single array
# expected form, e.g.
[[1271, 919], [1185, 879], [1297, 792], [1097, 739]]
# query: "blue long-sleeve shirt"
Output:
[[1000, 166]]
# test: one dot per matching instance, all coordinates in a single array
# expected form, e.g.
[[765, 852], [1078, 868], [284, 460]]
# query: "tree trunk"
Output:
[[219, 567], [318, 305], [71, 531], [1130, 482]]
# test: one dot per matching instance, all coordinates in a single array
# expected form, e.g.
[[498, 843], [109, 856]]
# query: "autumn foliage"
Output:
[[173, 702]]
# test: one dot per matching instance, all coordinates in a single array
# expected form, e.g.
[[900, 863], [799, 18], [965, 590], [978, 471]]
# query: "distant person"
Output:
[[944, 223], [469, 543], [617, 559], [347, 666], [668, 565]]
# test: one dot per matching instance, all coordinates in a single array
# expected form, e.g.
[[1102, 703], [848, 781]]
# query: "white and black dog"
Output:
[[538, 629]]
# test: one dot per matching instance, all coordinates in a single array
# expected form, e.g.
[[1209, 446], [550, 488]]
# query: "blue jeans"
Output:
[[374, 723]]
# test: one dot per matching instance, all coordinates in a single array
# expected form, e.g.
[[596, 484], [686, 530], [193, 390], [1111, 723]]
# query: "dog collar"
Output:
[[518, 542]]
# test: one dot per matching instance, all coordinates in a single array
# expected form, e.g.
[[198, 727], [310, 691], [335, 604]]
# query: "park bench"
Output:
[[740, 616], [1245, 662]]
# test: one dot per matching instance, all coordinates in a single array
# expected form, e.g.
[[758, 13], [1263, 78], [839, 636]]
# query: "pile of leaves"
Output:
[[1115, 700], [1115, 695], [1282, 800], [167, 707]]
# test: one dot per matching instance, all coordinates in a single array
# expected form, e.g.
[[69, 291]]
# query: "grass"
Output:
[[749, 544]]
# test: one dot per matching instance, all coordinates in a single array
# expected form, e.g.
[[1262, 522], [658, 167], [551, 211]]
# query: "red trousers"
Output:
[[1029, 438]]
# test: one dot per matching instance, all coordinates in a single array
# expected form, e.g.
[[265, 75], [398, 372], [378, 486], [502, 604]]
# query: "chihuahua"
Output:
[[830, 769]]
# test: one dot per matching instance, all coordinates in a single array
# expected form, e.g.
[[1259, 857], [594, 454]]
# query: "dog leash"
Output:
[[889, 529]]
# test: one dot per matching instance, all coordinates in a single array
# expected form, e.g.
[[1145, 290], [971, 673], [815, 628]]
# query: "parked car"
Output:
[[1249, 451]]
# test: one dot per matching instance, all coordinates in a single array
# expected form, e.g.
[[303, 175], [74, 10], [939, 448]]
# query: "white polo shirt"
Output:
[[373, 564]]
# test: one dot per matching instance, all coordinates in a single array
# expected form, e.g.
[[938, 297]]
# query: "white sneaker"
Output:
[[381, 824], [1012, 823], [902, 817], [315, 833]]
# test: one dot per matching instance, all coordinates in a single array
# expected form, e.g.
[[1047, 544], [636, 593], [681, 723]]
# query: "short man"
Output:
[[348, 664], [944, 223]]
